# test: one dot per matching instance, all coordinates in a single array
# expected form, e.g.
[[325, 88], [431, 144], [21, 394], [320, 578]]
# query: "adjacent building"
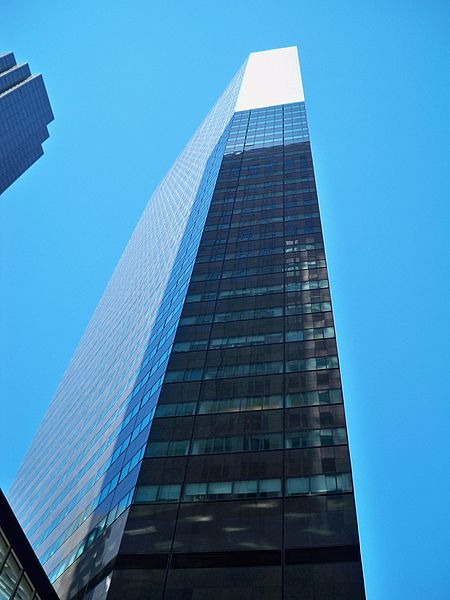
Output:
[[196, 447], [21, 574], [25, 113]]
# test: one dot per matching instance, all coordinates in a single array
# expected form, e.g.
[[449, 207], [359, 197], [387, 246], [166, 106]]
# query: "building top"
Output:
[[271, 77], [25, 112]]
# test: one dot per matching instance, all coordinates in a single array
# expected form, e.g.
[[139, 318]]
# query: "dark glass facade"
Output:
[[25, 113], [210, 457], [245, 490]]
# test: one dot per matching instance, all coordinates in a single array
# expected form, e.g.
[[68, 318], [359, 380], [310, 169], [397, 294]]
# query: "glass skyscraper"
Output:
[[25, 113], [196, 447]]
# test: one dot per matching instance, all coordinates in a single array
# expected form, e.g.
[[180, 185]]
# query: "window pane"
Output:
[[297, 485], [318, 484], [10, 575], [194, 491], [146, 493], [344, 482], [245, 487], [4, 546], [25, 590], [169, 493], [220, 488], [270, 486]]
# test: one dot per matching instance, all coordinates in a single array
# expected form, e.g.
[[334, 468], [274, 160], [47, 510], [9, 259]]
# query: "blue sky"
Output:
[[129, 82]]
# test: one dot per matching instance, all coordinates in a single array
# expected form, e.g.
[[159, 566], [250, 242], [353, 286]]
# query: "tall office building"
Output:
[[196, 447], [25, 113]]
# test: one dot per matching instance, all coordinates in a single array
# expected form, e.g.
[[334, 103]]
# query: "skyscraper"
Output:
[[25, 113], [196, 446]]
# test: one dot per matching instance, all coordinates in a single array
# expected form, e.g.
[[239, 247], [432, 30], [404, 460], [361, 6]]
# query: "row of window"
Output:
[[246, 208], [268, 138], [266, 166], [256, 313], [274, 337], [292, 197], [262, 221], [291, 246], [245, 177], [261, 157], [252, 369], [289, 268], [260, 290], [265, 233], [268, 130], [269, 141], [270, 124], [219, 255], [310, 438], [238, 490], [266, 184], [262, 234], [274, 133], [237, 196], [250, 403], [229, 176], [258, 121]]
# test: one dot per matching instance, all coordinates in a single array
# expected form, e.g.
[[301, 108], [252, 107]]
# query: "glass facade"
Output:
[[25, 113], [210, 458]]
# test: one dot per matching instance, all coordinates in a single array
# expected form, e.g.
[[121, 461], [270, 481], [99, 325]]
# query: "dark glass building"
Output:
[[21, 574], [197, 445], [25, 113]]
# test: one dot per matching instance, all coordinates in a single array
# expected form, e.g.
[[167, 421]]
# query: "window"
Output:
[[318, 333], [251, 291], [190, 346], [244, 370], [241, 404], [316, 437], [176, 409], [171, 448], [196, 319], [25, 590], [222, 490], [157, 493], [319, 484], [4, 547], [299, 309], [10, 575], [247, 340], [241, 315], [314, 398], [250, 443], [183, 375], [312, 364]]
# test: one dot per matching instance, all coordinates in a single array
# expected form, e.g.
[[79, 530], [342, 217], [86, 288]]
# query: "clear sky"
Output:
[[129, 82]]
